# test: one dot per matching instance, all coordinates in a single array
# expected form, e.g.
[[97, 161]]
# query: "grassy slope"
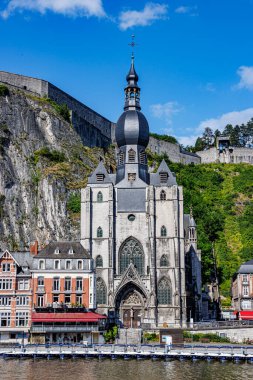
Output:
[[222, 200]]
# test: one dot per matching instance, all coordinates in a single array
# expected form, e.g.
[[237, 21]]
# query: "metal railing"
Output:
[[219, 324], [45, 329]]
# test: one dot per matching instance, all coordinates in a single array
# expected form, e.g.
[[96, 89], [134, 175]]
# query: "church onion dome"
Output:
[[132, 126], [132, 129]]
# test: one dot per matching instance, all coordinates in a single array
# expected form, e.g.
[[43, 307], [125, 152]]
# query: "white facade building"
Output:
[[132, 224]]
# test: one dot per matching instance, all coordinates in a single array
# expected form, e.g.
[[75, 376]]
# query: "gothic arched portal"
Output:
[[130, 305], [131, 251]]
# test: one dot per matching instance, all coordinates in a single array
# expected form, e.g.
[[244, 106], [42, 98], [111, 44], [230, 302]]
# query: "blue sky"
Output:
[[194, 58]]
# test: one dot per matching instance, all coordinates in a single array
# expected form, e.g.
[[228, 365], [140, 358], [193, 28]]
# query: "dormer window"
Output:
[[163, 177], [42, 264], [57, 251], [100, 177], [71, 252], [131, 156]]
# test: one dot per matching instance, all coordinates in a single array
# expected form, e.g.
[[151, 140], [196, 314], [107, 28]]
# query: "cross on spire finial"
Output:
[[133, 44]]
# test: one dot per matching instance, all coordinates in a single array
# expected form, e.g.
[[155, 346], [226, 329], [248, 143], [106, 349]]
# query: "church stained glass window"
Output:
[[131, 252], [99, 262], [164, 261], [164, 292], [162, 195], [99, 232], [100, 197], [163, 231], [101, 291]]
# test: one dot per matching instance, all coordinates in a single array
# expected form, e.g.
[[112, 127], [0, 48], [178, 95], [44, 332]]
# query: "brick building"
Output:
[[242, 287], [63, 290], [15, 296]]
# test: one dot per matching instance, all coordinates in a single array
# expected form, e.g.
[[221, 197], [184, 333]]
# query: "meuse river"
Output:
[[94, 369]]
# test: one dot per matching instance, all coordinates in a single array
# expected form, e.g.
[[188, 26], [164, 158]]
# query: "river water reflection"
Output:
[[122, 370]]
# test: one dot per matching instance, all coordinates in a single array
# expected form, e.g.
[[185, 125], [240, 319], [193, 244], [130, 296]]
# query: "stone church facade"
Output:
[[134, 227]]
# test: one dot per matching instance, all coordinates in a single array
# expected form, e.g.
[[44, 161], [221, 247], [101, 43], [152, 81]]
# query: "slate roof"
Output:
[[155, 177], [64, 247], [246, 267], [189, 221], [100, 169]]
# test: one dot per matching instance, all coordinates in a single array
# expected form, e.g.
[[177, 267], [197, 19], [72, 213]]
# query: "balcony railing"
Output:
[[41, 289], [52, 328]]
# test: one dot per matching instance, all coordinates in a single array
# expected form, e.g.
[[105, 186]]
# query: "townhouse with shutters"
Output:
[[49, 295]]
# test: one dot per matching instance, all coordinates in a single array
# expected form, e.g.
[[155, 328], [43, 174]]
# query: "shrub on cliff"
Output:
[[52, 155], [74, 203], [4, 91]]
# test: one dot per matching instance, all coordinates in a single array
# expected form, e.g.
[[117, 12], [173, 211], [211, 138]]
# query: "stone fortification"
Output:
[[231, 155], [173, 151], [94, 129]]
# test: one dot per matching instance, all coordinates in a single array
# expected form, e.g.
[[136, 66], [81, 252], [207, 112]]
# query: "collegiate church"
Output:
[[148, 268]]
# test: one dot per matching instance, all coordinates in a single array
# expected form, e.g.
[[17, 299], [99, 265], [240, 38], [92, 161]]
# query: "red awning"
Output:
[[67, 317], [245, 315]]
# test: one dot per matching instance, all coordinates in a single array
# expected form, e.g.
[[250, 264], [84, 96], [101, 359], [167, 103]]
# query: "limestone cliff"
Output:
[[43, 166]]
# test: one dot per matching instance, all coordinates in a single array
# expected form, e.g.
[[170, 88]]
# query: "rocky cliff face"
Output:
[[43, 166]]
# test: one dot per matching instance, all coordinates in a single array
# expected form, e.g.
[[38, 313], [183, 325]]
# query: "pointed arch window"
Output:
[[99, 261], [164, 292], [163, 195], [99, 232], [142, 157], [164, 261], [131, 155], [99, 197], [163, 231], [131, 252], [101, 291]]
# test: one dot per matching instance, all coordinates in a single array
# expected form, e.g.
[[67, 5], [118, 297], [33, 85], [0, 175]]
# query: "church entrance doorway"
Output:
[[132, 310]]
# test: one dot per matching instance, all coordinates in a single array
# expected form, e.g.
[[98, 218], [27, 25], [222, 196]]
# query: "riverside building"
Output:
[[49, 296], [242, 291], [15, 296], [63, 291], [134, 227]]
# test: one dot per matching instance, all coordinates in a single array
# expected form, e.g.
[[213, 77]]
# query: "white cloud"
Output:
[[187, 140], [235, 117], [150, 13], [246, 77], [165, 111], [67, 7], [186, 10]]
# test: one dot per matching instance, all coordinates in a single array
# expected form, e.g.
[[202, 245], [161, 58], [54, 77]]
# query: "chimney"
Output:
[[34, 248]]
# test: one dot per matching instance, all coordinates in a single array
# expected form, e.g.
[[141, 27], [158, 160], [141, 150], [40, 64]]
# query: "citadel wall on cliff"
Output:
[[94, 129]]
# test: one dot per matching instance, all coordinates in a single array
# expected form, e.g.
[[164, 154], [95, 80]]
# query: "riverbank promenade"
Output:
[[235, 353]]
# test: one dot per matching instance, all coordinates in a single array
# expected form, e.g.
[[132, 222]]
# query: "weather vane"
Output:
[[133, 44]]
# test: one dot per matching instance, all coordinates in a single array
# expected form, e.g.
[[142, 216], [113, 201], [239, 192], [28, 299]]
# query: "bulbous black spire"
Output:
[[132, 126]]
